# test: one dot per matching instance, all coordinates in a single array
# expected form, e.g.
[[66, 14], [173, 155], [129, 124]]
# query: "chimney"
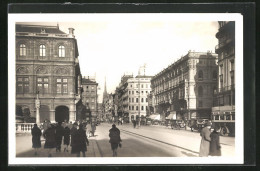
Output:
[[71, 32]]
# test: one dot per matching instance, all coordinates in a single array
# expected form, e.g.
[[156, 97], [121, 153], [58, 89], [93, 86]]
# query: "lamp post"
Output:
[[37, 106]]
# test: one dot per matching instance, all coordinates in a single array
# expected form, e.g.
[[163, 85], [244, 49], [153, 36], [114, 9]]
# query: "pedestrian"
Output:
[[134, 123], [81, 141], [73, 133], [93, 127], [58, 136], [36, 138], [205, 140], [215, 148], [50, 139], [46, 125], [89, 129], [66, 140], [114, 134]]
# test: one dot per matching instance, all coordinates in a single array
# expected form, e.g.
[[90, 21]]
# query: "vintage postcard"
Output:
[[125, 88]]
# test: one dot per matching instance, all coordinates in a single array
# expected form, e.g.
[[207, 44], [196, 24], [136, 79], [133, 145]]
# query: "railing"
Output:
[[220, 45], [24, 127]]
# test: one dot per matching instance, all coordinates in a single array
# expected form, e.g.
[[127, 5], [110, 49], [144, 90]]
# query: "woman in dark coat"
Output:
[[115, 139], [50, 139], [66, 140], [214, 143], [74, 137], [81, 141], [36, 138], [59, 135]]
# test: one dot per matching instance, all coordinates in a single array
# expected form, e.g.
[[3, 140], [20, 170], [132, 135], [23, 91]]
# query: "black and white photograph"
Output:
[[125, 88]]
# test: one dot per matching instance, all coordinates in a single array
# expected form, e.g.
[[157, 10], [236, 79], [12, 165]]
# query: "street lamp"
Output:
[[37, 106]]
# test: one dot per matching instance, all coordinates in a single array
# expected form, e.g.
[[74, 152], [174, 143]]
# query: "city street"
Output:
[[146, 141]]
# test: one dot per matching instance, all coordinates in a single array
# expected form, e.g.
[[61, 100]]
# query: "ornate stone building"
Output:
[[47, 63], [223, 111], [132, 96], [90, 96], [184, 90]]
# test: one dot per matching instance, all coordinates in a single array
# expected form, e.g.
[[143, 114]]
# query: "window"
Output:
[[129, 92], [200, 75], [133, 107], [133, 92], [42, 50], [136, 100], [129, 107], [200, 103], [215, 75], [146, 99], [136, 107], [129, 99], [142, 86], [22, 85], [146, 107], [142, 92], [142, 108], [42, 85], [22, 50], [62, 85], [130, 85], [61, 51], [142, 100], [200, 91], [133, 100]]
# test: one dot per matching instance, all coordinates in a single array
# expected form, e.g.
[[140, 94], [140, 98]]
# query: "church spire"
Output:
[[105, 90]]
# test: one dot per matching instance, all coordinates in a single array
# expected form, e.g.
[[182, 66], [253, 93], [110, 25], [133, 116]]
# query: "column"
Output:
[[72, 112], [52, 116]]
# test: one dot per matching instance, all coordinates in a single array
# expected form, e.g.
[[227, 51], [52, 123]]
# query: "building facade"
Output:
[[90, 96], [223, 111], [132, 96], [184, 90], [47, 64]]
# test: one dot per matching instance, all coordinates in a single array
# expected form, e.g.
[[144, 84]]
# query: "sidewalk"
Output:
[[24, 148]]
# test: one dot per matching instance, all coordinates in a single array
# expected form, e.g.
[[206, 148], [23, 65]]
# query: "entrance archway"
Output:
[[61, 113], [44, 113]]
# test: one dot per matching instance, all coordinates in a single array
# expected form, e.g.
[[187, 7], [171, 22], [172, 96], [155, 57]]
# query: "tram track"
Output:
[[153, 139]]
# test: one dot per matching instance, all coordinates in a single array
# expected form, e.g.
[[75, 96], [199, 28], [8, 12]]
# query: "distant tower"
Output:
[[105, 91]]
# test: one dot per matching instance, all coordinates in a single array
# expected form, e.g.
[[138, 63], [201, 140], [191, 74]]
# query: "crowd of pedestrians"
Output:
[[73, 135]]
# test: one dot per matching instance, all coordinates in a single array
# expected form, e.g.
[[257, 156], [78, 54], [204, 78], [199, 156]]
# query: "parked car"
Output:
[[156, 122]]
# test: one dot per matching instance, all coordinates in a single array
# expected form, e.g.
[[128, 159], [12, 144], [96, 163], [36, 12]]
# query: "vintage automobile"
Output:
[[156, 122], [177, 124], [197, 124]]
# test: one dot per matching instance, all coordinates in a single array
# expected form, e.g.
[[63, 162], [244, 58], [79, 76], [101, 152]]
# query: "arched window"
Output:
[[22, 50], [61, 51], [200, 92], [215, 75], [42, 50], [200, 75], [142, 100], [142, 108]]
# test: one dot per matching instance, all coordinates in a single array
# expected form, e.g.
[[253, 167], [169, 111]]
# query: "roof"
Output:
[[38, 29], [87, 81]]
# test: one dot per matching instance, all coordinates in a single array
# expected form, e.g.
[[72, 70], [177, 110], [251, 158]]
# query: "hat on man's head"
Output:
[[113, 125]]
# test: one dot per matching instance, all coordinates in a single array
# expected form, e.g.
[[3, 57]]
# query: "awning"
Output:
[[155, 117]]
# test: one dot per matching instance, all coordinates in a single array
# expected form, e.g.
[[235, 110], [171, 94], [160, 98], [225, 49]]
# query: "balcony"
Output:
[[222, 44]]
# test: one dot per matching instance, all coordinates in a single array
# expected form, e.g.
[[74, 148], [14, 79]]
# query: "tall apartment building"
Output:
[[90, 96], [132, 95], [223, 111], [47, 64], [184, 90]]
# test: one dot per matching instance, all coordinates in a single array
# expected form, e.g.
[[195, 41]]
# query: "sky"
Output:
[[113, 45]]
